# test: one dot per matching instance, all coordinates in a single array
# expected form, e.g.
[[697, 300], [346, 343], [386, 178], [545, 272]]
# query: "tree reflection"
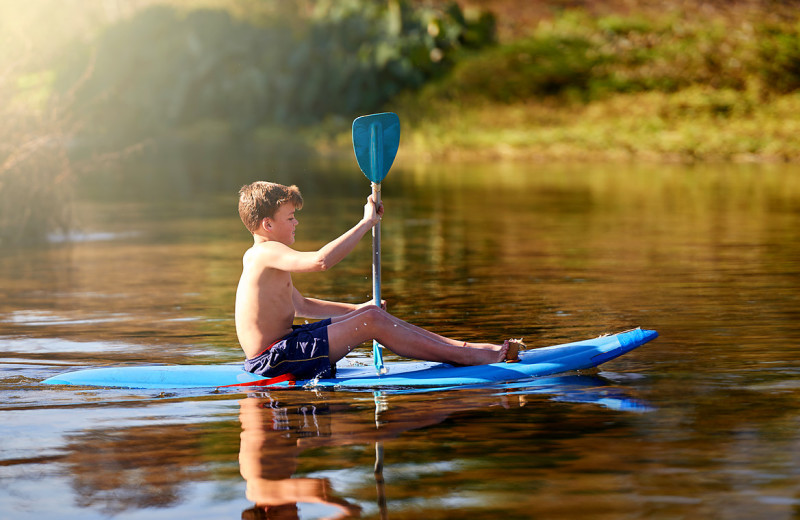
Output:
[[134, 468]]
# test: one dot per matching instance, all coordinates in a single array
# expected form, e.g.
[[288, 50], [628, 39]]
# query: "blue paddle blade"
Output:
[[376, 138]]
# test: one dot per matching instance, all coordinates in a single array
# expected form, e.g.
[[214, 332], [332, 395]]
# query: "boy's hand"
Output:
[[371, 213], [370, 302]]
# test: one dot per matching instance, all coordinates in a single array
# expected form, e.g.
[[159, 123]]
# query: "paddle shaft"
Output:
[[376, 249], [376, 272]]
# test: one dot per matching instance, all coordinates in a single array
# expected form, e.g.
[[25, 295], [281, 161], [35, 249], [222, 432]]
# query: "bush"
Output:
[[540, 66], [36, 173], [575, 56], [163, 69], [779, 50], [35, 194]]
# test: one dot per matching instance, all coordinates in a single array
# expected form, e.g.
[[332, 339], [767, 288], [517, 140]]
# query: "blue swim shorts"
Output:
[[302, 353]]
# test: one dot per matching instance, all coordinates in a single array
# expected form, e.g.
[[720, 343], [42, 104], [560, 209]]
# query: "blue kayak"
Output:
[[544, 361]]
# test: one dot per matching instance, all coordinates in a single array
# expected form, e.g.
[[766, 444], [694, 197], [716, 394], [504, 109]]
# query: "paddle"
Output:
[[376, 138], [381, 405]]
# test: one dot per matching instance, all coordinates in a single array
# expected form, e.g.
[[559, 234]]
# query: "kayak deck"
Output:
[[544, 361]]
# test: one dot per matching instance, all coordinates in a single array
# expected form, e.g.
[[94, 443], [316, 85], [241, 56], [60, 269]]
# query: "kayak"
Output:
[[544, 361]]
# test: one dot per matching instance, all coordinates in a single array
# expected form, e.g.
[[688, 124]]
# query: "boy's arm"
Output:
[[319, 309], [282, 257]]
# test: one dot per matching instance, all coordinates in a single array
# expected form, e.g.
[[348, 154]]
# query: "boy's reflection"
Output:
[[270, 447], [274, 434]]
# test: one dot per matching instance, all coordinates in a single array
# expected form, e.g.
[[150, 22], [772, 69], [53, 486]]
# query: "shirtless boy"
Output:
[[267, 302]]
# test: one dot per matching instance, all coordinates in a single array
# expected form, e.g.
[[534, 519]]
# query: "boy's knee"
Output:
[[374, 315], [372, 312]]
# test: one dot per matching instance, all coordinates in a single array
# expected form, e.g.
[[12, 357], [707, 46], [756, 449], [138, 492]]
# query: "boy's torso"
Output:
[[264, 306]]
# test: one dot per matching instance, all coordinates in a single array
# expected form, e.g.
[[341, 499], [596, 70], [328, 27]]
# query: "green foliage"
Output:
[[35, 194], [575, 56], [625, 26], [779, 51], [540, 66], [163, 69], [36, 172]]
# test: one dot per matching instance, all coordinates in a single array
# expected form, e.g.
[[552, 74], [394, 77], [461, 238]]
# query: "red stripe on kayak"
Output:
[[266, 382]]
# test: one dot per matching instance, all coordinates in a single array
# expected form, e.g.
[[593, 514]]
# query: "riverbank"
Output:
[[651, 126], [613, 82]]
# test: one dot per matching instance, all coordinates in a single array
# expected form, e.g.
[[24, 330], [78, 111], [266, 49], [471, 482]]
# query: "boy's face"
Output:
[[281, 226]]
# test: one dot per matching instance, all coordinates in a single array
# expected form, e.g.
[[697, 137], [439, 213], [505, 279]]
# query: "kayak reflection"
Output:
[[278, 426]]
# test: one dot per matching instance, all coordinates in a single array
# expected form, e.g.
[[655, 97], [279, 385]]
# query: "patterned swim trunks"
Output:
[[302, 353]]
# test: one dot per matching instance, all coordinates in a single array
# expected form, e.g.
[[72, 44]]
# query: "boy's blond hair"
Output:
[[262, 199]]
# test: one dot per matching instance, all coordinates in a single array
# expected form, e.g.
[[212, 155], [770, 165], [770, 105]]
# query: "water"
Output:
[[702, 423]]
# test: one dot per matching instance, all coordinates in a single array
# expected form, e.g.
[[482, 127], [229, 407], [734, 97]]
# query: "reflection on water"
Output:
[[273, 437], [315, 453], [702, 423], [118, 470]]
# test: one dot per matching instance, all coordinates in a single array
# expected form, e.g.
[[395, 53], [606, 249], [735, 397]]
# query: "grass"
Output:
[[688, 125], [685, 86]]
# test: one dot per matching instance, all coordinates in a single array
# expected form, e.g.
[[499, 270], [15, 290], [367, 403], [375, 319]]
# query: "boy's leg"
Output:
[[369, 314], [368, 323]]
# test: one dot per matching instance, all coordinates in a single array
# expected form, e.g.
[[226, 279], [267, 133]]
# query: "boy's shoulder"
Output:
[[266, 247], [263, 252]]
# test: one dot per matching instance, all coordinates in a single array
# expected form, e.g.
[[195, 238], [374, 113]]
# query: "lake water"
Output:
[[704, 422]]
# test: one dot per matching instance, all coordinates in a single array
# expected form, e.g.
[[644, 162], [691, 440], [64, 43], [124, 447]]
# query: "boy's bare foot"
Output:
[[514, 346]]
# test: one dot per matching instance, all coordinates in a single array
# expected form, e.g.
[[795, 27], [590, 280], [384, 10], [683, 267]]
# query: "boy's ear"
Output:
[[266, 224]]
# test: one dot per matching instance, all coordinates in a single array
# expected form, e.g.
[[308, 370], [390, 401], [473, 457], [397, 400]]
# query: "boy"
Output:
[[267, 302]]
